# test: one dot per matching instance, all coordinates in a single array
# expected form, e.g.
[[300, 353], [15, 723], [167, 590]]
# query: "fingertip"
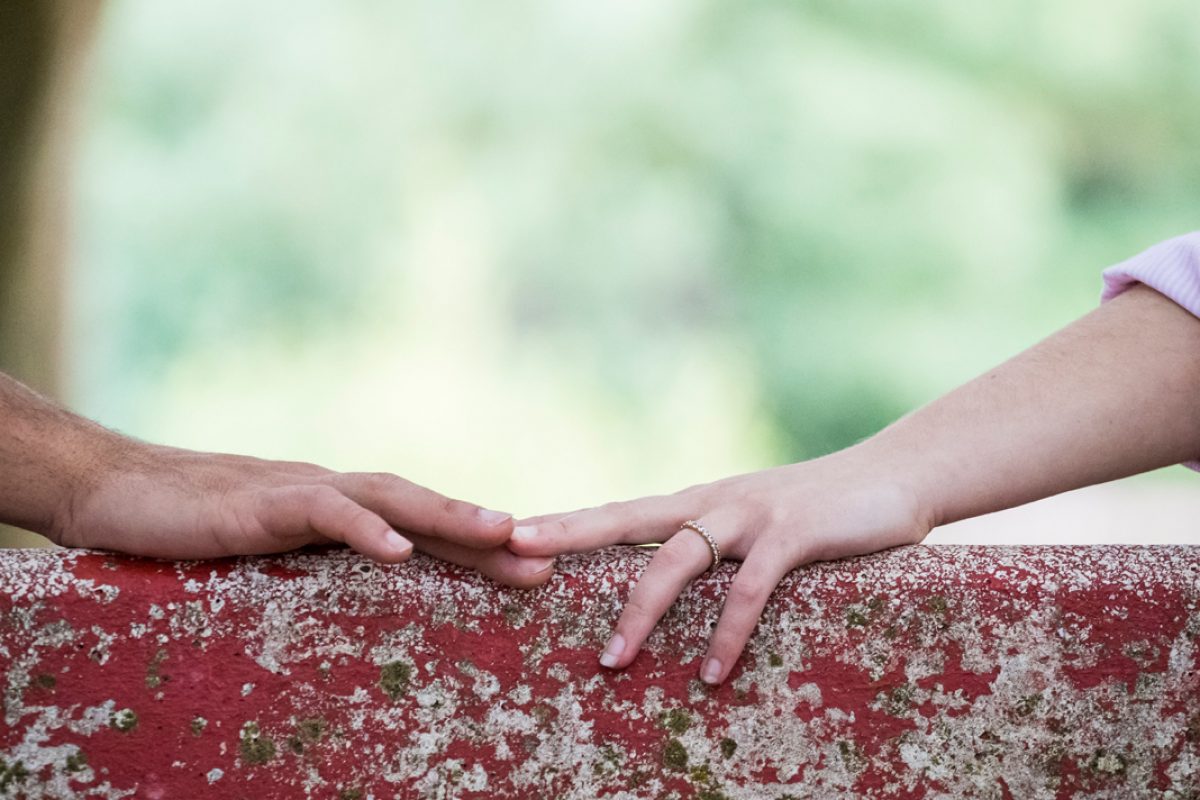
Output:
[[537, 572], [398, 548], [524, 540], [493, 518], [489, 529], [712, 672], [516, 571], [536, 566], [614, 654]]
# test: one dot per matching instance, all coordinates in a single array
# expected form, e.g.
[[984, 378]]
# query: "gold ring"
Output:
[[692, 524]]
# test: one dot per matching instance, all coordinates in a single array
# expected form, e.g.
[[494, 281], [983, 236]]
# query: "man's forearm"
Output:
[[47, 455], [1114, 394]]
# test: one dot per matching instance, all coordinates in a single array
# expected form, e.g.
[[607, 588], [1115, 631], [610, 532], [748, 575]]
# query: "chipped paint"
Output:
[[928, 672]]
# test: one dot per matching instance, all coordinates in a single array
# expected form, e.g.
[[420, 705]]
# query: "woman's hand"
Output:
[[771, 521], [171, 503], [1112, 394]]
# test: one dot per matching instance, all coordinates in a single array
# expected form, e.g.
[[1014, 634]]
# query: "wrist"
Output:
[[897, 478], [87, 457]]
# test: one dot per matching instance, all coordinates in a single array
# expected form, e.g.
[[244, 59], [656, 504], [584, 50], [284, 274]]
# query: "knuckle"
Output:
[[453, 508], [748, 592], [360, 518], [382, 481], [564, 528], [305, 468], [759, 511], [322, 495]]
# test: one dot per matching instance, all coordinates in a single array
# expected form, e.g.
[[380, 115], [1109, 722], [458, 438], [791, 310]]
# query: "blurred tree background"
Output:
[[544, 254]]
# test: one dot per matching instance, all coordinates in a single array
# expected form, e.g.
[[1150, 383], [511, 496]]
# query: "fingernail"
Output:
[[493, 517], [539, 565], [397, 542], [524, 533], [612, 653], [712, 671]]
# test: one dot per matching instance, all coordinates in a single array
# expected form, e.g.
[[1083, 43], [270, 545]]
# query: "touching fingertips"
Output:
[[524, 534], [612, 653], [712, 671], [492, 517]]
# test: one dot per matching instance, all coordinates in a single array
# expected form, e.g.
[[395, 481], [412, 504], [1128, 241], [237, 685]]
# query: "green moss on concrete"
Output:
[[706, 784], [45, 681], [900, 700], [153, 677], [638, 778], [76, 762], [675, 755], [610, 760], [774, 659], [1029, 704], [254, 747], [395, 677], [728, 747], [124, 720], [677, 720], [308, 732], [856, 619], [312, 729], [11, 775], [852, 757]]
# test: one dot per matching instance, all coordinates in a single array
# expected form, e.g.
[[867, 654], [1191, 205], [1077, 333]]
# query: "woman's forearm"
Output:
[[1114, 394]]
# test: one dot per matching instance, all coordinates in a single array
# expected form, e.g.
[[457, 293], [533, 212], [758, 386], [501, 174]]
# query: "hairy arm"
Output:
[[82, 485], [47, 456]]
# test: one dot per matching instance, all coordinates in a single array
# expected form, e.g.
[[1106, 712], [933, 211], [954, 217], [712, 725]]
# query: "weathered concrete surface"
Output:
[[932, 672]]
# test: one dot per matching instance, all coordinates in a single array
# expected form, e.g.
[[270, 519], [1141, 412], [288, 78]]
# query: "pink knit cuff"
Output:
[[1172, 268]]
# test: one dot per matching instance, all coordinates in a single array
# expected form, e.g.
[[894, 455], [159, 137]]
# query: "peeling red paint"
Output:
[[918, 673]]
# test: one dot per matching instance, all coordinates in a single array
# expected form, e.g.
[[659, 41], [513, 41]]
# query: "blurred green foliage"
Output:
[[592, 248]]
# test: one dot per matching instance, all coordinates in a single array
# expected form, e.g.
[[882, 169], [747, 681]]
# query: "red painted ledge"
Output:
[[928, 672]]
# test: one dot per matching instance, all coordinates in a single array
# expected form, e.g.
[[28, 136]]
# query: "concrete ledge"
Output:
[[929, 672]]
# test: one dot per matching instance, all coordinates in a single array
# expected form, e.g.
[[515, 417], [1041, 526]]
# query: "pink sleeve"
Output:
[[1172, 268]]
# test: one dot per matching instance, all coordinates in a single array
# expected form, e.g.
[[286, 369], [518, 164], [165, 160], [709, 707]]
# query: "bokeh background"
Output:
[[544, 254]]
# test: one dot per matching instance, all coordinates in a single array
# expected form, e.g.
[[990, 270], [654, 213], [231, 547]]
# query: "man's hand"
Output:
[[84, 486], [172, 503]]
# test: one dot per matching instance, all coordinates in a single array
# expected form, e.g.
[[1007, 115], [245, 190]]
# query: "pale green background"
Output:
[[546, 254]]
